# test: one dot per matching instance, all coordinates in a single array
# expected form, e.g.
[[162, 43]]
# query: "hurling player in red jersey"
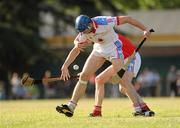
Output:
[[141, 109]]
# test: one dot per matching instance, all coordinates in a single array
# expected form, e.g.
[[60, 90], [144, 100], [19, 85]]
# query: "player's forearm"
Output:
[[137, 24], [132, 21], [71, 57]]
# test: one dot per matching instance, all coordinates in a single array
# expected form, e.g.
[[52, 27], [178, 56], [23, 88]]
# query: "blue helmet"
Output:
[[82, 23]]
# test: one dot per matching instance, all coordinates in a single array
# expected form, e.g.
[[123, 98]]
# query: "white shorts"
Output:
[[135, 64], [109, 51], [114, 51]]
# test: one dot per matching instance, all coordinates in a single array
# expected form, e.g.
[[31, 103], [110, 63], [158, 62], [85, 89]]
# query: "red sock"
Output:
[[97, 111], [144, 106]]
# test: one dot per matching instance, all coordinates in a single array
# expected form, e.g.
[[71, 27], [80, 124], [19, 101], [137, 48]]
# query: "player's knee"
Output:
[[84, 83], [99, 80], [84, 76], [122, 90]]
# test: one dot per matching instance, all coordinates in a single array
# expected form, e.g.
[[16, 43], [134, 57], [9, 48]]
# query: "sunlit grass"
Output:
[[116, 114]]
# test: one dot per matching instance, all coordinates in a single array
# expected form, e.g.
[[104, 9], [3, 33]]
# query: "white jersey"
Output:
[[107, 43]]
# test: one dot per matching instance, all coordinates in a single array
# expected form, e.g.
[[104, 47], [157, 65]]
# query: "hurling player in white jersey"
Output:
[[107, 46]]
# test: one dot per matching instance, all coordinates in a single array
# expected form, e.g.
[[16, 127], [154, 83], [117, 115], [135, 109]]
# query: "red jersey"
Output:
[[128, 48]]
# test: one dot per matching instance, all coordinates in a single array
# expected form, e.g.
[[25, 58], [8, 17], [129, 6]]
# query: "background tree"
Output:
[[21, 46]]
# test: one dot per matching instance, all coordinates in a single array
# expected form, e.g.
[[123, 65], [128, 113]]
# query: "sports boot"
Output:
[[146, 113], [64, 109], [95, 114]]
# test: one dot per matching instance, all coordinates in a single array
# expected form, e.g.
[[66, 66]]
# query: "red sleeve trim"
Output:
[[118, 20]]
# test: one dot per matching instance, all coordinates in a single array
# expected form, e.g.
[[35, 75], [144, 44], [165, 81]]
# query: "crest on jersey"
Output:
[[109, 20]]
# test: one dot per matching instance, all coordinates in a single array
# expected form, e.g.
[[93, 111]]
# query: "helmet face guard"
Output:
[[82, 23]]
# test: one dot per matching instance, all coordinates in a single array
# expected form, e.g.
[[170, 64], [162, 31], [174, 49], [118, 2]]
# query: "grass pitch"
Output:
[[116, 114]]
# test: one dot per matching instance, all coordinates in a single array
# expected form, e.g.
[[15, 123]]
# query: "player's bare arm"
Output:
[[79, 46], [136, 23], [71, 57]]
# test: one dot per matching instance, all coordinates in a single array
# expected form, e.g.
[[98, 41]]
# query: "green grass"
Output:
[[116, 114]]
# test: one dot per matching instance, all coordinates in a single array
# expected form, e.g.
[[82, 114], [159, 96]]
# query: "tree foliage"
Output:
[[21, 46], [20, 42], [19, 38]]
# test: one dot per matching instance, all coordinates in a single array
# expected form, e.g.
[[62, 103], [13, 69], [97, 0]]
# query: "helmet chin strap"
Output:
[[90, 28]]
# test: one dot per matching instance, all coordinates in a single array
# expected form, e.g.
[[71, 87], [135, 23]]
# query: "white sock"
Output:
[[72, 105], [137, 107]]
